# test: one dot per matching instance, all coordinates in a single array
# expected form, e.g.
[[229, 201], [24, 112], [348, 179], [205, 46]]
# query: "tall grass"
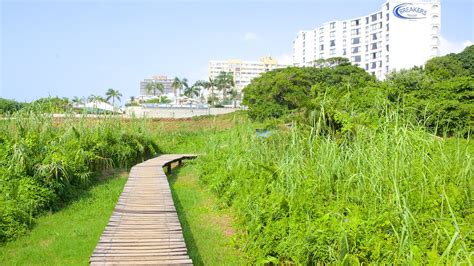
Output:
[[393, 194], [42, 161]]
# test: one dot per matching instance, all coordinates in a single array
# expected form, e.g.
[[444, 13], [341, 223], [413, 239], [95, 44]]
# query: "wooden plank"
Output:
[[144, 227]]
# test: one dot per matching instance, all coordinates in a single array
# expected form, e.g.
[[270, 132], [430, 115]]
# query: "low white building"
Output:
[[400, 35]]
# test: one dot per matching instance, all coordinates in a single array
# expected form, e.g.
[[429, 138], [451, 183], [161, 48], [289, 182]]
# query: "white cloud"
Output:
[[250, 36], [447, 46], [285, 59]]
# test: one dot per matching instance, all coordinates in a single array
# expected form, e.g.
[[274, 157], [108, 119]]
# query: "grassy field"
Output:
[[68, 236]]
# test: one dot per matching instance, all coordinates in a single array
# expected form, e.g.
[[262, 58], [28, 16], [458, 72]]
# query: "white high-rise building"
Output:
[[401, 35], [243, 71]]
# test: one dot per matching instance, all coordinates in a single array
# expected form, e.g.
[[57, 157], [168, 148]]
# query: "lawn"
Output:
[[68, 236]]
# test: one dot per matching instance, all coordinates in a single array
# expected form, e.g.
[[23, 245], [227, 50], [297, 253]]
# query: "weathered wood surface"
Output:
[[144, 227]]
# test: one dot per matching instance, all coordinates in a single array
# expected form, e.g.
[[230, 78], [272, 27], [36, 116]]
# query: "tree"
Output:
[[445, 67], [113, 94], [155, 86], [179, 84], [76, 100], [95, 98], [224, 82], [234, 96], [210, 85], [193, 90]]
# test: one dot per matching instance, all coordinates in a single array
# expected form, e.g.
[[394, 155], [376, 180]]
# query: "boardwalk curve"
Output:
[[144, 227]]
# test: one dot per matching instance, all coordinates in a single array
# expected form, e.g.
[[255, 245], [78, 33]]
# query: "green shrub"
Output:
[[392, 194], [43, 162]]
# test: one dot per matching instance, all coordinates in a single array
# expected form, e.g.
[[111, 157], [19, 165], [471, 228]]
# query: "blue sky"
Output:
[[78, 48]]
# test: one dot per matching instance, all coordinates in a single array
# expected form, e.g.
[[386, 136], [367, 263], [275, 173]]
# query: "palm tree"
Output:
[[95, 98], [234, 96], [179, 84], [76, 100], [154, 86], [193, 90], [224, 81], [176, 85], [210, 85], [114, 94]]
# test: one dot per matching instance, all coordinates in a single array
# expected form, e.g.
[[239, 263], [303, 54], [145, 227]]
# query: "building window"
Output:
[[355, 31], [374, 55], [386, 59], [373, 37], [366, 66], [380, 63], [374, 17], [386, 69], [380, 25], [355, 40], [435, 29], [366, 20], [344, 25], [386, 37], [374, 46], [332, 43], [387, 27], [332, 34], [321, 38], [434, 6], [366, 48], [435, 17], [355, 49], [304, 36], [321, 47], [332, 52], [355, 22], [435, 41], [332, 25], [373, 65], [387, 16], [344, 42], [386, 46], [356, 58], [387, 7], [321, 55], [344, 51]]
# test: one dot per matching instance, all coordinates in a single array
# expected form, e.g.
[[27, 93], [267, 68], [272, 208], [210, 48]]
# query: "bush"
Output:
[[393, 194], [42, 162]]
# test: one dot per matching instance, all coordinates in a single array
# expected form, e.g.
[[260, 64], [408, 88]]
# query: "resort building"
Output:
[[400, 35], [243, 71], [159, 79]]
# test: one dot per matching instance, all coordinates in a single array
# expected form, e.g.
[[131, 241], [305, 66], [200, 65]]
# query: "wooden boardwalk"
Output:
[[144, 227]]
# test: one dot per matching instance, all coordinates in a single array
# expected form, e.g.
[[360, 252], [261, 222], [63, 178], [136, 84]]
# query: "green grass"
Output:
[[68, 236], [207, 230]]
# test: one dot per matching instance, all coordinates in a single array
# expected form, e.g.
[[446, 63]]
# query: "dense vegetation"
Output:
[[358, 176], [440, 95], [392, 195], [42, 162]]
